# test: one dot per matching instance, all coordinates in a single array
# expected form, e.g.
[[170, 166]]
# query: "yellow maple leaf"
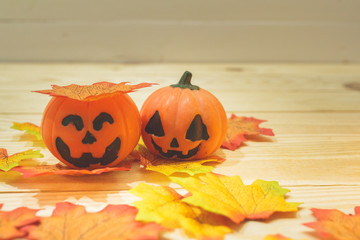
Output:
[[32, 133], [193, 167], [171, 166], [9, 162], [29, 128], [229, 196], [163, 205]]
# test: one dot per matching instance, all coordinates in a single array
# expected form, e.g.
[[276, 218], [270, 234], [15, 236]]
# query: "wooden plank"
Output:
[[233, 101], [146, 41], [293, 123], [242, 77], [244, 88], [204, 10], [312, 196], [180, 31]]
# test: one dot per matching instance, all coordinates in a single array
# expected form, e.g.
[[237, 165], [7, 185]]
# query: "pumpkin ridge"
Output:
[[178, 108], [43, 122], [52, 142], [124, 124], [223, 122]]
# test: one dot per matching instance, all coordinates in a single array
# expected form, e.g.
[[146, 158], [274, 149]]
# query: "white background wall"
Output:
[[180, 30]]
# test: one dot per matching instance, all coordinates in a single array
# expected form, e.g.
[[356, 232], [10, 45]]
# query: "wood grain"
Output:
[[313, 110]]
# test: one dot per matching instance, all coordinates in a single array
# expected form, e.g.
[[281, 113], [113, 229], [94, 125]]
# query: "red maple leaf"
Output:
[[336, 224], [69, 221], [240, 127], [11, 221], [58, 169]]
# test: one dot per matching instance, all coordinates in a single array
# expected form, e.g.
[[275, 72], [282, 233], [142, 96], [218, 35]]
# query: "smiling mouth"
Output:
[[172, 153], [110, 155]]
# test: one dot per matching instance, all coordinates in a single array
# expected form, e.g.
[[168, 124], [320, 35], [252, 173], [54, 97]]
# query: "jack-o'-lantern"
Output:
[[91, 126], [183, 121]]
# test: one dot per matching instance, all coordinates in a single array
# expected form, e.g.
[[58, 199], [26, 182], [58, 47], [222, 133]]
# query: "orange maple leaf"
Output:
[[239, 127], [163, 205], [69, 221], [92, 92], [8, 162], [336, 224], [11, 221], [58, 169], [228, 196], [277, 237], [169, 166]]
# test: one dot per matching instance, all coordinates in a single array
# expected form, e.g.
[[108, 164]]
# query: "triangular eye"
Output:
[[154, 126], [197, 130]]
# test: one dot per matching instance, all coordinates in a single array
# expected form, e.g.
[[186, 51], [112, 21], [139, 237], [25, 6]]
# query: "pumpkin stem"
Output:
[[186, 78], [185, 82]]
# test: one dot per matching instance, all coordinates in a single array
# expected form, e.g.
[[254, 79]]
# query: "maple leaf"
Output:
[[336, 224], [9, 176], [11, 221], [92, 92], [29, 128], [58, 169], [277, 237], [163, 205], [69, 221], [8, 162], [229, 196], [169, 166], [239, 127]]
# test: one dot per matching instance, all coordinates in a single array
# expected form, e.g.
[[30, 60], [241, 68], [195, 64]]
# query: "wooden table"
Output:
[[314, 111]]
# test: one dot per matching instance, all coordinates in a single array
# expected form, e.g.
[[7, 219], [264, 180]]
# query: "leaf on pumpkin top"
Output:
[[169, 166], [239, 127], [163, 205], [229, 196], [69, 221], [58, 169], [336, 224], [92, 92], [9, 162], [29, 128], [277, 237], [11, 221]]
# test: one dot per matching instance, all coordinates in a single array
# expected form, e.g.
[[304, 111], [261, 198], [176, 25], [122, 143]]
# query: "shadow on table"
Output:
[[55, 188]]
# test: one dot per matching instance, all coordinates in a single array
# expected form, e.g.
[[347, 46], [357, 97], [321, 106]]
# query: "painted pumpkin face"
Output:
[[91, 134], [183, 121]]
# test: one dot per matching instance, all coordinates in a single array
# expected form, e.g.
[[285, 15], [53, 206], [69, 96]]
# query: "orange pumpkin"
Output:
[[183, 121], [92, 132]]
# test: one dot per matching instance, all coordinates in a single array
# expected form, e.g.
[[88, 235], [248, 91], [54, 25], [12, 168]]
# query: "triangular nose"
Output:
[[89, 138], [174, 143]]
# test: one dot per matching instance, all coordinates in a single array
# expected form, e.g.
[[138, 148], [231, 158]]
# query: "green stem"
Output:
[[185, 82]]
